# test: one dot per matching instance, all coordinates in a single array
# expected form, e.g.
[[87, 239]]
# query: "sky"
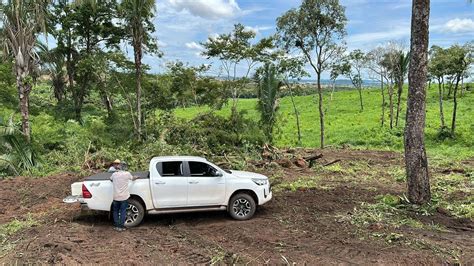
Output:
[[181, 25]]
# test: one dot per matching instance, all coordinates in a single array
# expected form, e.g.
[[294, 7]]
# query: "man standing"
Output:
[[120, 181]]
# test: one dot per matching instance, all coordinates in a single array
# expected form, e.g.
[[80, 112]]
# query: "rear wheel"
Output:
[[135, 213], [242, 206]]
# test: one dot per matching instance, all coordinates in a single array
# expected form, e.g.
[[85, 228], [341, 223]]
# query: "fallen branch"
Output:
[[312, 158], [333, 162]]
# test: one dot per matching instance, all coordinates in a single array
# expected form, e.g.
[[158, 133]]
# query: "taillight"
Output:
[[85, 192]]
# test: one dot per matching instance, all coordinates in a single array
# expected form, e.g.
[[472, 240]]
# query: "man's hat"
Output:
[[117, 161]]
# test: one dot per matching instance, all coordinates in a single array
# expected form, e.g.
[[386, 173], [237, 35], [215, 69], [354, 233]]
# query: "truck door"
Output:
[[206, 185], [169, 185]]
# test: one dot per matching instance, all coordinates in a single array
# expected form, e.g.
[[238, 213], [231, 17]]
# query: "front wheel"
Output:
[[242, 206], [135, 213]]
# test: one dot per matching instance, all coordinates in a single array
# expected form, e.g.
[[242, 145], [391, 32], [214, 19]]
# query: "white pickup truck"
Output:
[[178, 184]]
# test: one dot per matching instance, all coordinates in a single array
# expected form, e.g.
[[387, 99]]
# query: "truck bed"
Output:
[[107, 175]]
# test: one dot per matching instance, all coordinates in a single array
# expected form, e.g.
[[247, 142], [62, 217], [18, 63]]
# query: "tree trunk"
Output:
[[390, 100], [69, 64], [24, 89], [441, 112], [321, 113], [138, 78], [450, 87], [399, 100], [383, 99], [295, 110], [360, 98], [415, 154], [442, 83], [78, 101], [455, 105]]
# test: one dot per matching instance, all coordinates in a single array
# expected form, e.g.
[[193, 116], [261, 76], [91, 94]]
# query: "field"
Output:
[[346, 125], [351, 212], [348, 213]]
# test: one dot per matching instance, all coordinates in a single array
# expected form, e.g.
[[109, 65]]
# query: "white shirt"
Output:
[[120, 183]]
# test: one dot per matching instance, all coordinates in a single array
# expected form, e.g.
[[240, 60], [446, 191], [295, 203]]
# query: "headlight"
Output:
[[260, 182]]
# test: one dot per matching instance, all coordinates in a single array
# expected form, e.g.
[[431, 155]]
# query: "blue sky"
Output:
[[182, 24]]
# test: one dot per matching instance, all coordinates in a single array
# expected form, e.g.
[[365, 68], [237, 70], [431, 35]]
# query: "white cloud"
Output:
[[258, 29], [161, 43], [208, 9], [194, 46], [379, 36], [459, 25]]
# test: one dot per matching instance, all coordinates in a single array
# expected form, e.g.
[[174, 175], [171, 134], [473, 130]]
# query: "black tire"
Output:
[[242, 206], [136, 209]]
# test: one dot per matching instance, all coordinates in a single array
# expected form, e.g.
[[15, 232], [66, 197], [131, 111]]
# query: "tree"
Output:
[[316, 28], [22, 22], [63, 19], [53, 62], [268, 93], [378, 69], [401, 71], [437, 69], [459, 60], [292, 68], [138, 16], [185, 85], [85, 30], [416, 162], [15, 153], [351, 66], [390, 62], [232, 49]]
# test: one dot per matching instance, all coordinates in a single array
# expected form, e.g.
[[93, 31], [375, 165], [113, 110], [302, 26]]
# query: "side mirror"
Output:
[[216, 173]]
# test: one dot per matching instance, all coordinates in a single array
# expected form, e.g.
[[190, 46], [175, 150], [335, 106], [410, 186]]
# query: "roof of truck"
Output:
[[179, 158]]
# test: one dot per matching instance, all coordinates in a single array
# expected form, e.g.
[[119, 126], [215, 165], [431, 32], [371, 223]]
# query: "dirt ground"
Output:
[[304, 226]]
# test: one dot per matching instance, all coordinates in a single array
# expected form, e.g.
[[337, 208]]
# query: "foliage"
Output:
[[268, 94], [351, 129], [202, 135], [232, 49], [316, 28], [15, 152]]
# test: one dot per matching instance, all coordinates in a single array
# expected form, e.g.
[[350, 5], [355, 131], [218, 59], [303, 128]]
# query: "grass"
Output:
[[11, 228], [346, 125]]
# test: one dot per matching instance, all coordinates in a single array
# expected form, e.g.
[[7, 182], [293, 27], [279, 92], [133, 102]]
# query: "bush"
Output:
[[210, 133]]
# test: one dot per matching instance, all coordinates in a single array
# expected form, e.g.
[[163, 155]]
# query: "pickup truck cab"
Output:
[[176, 184]]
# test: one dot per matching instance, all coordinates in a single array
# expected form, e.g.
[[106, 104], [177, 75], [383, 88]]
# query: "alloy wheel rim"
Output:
[[241, 207], [132, 214]]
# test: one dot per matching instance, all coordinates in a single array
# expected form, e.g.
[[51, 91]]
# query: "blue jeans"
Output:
[[119, 209]]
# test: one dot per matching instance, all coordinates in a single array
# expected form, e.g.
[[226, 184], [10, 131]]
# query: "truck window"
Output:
[[202, 169], [170, 168]]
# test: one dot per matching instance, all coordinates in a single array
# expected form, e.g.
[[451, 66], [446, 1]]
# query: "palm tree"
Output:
[[137, 15], [416, 162], [22, 21], [402, 71], [268, 89], [53, 62], [15, 153]]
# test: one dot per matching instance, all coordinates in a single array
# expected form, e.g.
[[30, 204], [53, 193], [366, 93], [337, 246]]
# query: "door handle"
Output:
[[193, 182], [160, 182]]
